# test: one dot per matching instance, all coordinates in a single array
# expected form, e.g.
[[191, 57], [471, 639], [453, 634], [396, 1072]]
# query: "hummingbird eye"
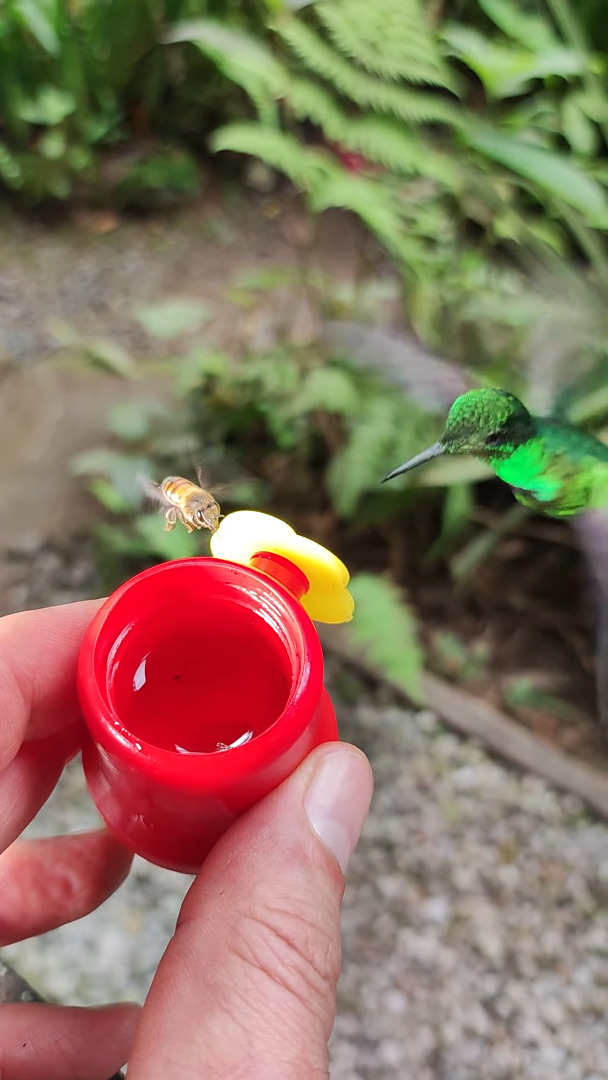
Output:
[[493, 439]]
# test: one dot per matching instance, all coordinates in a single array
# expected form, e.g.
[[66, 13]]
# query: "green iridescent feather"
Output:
[[550, 466]]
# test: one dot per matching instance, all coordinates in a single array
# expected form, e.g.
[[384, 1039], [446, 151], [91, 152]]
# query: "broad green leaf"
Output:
[[192, 373], [386, 628], [553, 173], [305, 166], [507, 70], [531, 30], [177, 544], [130, 420], [122, 471], [242, 57], [108, 496], [52, 145], [99, 352], [458, 506], [109, 356], [579, 130], [170, 318], [37, 15], [50, 106]]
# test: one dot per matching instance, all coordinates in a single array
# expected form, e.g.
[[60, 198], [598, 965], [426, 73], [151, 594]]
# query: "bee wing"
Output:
[[592, 531], [202, 477], [152, 490]]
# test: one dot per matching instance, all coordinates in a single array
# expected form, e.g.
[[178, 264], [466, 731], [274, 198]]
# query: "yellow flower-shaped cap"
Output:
[[244, 533]]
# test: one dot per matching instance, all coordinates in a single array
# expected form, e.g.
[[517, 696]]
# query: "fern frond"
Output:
[[244, 59], [401, 151], [377, 206], [356, 468], [390, 38], [386, 628], [309, 101], [413, 106], [304, 166], [380, 140]]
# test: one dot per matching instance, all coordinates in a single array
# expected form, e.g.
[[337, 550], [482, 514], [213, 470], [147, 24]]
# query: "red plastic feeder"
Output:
[[201, 684]]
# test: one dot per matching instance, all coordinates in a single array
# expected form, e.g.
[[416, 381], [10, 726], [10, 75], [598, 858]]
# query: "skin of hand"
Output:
[[246, 987]]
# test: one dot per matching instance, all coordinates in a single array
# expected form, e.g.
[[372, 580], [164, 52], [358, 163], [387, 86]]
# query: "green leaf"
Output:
[[386, 628], [579, 130], [37, 15], [458, 506], [507, 70], [553, 173], [531, 30], [361, 462], [413, 106], [99, 352], [130, 420], [50, 106], [243, 58], [177, 544], [329, 389], [304, 166], [53, 145], [122, 471], [170, 318], [108, 496], [389, 39], [193, 372]]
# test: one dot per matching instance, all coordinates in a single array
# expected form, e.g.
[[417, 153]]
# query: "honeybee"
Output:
[[187, 503]]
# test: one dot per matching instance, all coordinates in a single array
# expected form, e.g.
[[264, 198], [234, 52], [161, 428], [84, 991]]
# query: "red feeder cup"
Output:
[[201, 684]]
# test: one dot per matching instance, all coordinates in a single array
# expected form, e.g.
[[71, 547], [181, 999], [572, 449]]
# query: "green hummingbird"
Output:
[[550, 466]]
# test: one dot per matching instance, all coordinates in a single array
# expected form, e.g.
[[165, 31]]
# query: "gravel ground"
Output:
[[475, 921]]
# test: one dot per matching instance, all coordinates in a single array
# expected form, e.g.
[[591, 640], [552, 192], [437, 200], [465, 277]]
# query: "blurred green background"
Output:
[[428, 187]]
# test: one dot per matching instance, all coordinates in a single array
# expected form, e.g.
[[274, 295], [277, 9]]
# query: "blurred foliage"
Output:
[[385, 627], [308, 431], [452, 142], [469, 138], [77, 77]]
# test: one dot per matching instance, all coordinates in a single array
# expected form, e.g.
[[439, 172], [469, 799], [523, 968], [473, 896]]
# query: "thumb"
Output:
[[247, 985]]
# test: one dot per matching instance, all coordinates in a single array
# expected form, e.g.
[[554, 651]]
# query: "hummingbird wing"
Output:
[[402, 360], [560, 346], [592, 530], [434, 383]]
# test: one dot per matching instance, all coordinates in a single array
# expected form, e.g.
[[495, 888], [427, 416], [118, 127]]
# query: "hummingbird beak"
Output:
[[433, 451]]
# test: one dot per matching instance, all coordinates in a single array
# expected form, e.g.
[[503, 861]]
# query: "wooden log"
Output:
[[479, 720]]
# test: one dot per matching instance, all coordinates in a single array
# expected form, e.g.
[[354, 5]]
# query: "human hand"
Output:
[[247, 984], [46, 883]]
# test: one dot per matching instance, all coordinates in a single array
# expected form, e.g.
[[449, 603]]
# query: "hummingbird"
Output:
[[551, 466]]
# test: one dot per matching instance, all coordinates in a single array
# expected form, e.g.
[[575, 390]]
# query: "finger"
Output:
[[27, 782], [247, 985], [38, 655], [47, 883], [53, 1042]]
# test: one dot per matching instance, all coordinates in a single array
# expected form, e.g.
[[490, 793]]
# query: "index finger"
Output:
[[38, 656]]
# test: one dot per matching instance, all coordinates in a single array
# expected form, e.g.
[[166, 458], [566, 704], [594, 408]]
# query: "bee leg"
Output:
[[170, 519]]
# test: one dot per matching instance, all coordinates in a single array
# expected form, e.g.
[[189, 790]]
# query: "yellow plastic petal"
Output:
[[245, 532]]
